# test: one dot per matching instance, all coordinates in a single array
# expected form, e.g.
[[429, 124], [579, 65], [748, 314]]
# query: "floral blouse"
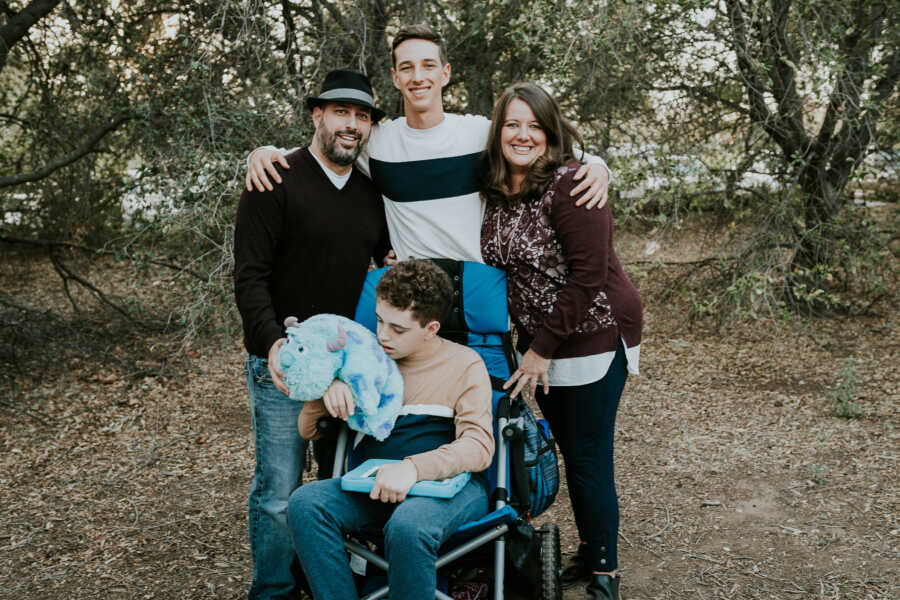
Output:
[[568, 294]]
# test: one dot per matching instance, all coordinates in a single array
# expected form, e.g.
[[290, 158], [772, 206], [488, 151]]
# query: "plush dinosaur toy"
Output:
[[327, 347]]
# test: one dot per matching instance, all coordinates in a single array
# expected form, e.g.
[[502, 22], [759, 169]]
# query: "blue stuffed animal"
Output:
[[327, 347]]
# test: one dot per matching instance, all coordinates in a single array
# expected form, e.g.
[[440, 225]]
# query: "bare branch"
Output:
[[19, 24], [758, 108], [290, 36], [13, 119], [65, 159], [783, 76], [66, 274], [759, 112], [704, 92], [57, 244]]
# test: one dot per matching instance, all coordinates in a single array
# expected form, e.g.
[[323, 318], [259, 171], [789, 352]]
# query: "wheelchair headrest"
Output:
[[479, 298]]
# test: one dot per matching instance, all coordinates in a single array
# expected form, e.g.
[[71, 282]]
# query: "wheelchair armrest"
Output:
[[328, 426], [513, 430]]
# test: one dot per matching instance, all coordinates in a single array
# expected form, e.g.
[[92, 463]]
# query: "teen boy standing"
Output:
[[445, 429]]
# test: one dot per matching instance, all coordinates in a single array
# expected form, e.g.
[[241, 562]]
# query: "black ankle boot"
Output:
[[577, 571], [603, 587]]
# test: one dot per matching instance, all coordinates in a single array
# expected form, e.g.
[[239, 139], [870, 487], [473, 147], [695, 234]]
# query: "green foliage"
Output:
[[842, 398], [761, 275], [852, 266], [818, 474], [661, 89]]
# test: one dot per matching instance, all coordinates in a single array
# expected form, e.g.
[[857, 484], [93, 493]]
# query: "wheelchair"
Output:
[[477, 318]]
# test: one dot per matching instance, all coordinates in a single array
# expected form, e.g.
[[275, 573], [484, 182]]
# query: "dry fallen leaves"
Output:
[[735, 479]]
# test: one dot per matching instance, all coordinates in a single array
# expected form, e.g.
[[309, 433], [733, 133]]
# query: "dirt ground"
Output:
[[735, 476]]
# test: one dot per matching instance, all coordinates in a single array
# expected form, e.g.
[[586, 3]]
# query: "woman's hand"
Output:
[[534, 367]]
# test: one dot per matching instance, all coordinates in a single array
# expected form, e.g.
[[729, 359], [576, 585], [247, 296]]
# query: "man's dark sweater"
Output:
[[304, 248]]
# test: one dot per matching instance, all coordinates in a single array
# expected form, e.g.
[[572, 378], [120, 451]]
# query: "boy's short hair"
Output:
[[419, 285], [419, 31]]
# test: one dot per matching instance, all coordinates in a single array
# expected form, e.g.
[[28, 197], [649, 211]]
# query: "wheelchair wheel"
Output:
[[550, 562]]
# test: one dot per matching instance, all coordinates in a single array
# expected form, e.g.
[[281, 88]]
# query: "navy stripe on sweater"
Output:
[[417, 180], [412, 434]]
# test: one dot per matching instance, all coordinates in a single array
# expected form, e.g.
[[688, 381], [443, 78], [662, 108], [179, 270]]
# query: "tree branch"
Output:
[[171, 10], [838, 94], [335, 14], [57, 244], [783, 77], [290, 36], [66, 159], [703, 92], [66, 274], [674, 263], [856, 49], [19, 24], [759, 112], [860, 119], [884, 87], [13, 119], [5, 301]]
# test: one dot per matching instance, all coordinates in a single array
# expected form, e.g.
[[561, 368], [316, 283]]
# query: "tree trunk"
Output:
[[18, 25]]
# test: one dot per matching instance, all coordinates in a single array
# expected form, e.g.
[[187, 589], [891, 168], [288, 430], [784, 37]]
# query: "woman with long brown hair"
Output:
[[577, 315]]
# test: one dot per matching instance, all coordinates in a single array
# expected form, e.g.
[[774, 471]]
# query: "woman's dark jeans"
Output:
[[583, 421]]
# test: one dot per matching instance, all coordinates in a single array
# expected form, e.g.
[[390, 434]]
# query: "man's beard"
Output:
[[332, 149]]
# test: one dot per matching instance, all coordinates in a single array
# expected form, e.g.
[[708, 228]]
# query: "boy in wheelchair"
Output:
[[444, 429]]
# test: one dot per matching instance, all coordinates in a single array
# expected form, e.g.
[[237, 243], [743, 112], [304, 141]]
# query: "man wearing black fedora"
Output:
[[300, 249]]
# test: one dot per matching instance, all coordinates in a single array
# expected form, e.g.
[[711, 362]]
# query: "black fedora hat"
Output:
[[345, 85]]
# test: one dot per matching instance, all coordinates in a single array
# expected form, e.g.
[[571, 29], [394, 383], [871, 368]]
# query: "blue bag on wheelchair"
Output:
[[534, 471]]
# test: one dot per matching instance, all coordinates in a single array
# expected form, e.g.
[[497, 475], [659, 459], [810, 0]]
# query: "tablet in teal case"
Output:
[[362, 478]]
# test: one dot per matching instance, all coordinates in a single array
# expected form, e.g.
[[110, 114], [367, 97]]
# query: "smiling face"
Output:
[[522, 139], [399, 332], [420, 75], [342, 129]]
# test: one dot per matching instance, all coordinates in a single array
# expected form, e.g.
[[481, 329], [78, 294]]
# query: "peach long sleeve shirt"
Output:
[[451, 379]]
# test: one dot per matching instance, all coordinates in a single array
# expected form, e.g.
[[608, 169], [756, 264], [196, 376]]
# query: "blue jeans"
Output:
[[583, 421], [280, 452], [320, 513]]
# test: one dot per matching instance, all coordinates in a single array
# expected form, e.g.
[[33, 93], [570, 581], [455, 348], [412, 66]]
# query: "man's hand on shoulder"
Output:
[[393, 481], [595, 179], [390, 259], [276, 373], [261, 166]]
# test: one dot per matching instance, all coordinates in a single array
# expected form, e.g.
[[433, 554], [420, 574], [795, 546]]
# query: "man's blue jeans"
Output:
[[320, 513], [280, 452]]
